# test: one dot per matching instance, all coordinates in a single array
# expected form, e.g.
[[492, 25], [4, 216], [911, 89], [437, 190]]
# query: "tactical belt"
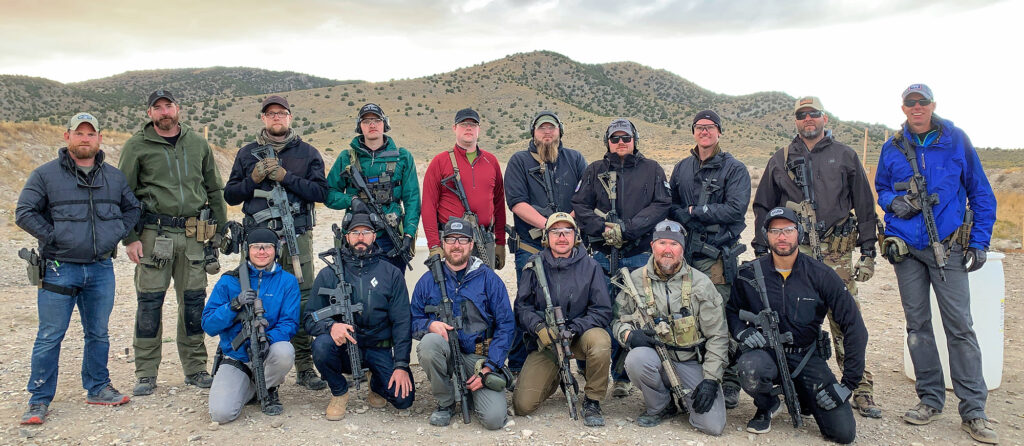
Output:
[[680, 354], [796, 350], [67, 291], [227, 360], [164, 220]]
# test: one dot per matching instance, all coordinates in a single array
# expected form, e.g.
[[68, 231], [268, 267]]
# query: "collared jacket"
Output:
[[173, 180], [405, 187], [304, 183], [380, 287], [77, 217], [727, 206], [643, 200], [524, 186], [485, 192], [952, 170], [705, 304], [479, 287], [279, 291], [576, 284], [802, 300]]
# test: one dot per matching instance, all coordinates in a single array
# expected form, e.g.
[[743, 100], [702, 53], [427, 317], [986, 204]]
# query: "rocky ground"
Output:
[[177, 414]]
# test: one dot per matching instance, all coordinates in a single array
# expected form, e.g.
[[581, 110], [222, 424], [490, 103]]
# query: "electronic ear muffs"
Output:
[[633, 132], [375, 109], [533, 124]]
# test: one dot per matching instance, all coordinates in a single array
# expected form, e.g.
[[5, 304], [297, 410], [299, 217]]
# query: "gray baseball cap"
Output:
[[921, 89], [78, 118]]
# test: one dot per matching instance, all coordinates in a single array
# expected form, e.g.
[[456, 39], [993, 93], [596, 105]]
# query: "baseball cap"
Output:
[[275, 99], [467, 113], [921, 89], [619, 125], [808, 102], [669, 229], [370, 108], [559, 217], [80, 117], [546, 117], [709, 115], [458, 226], [780, 212], [158, 95]]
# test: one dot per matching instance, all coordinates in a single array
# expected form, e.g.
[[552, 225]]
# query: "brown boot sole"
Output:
[[966, 428], [918, 422]]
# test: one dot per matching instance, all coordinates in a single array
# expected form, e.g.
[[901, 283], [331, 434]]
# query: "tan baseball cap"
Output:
[[80, 117], [808, 102]]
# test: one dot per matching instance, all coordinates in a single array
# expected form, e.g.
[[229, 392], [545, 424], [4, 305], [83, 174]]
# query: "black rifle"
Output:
[[341, 305], [806, 209], [768, 322], [445, 314], [356, 174], [694, 243], [543, 176], [609, 181], [917, 189], [278, 207], [454, 184], [254, 328], [555, 321]]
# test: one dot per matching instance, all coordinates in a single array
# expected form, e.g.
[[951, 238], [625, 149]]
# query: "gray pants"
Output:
[[914, 275], [490, 406], [645, 370], [232, 388]]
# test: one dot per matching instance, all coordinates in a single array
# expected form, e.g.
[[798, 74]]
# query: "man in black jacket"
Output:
[[381, 329], [299, 168], [801, 290], [78, 207], [576, 285]]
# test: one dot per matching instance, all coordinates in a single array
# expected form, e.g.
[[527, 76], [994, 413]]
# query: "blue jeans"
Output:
[[332, 360], [95, 300], [632, 262], [384, 246]]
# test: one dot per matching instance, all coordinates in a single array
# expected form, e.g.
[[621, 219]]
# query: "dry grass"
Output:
[[1009, 215]]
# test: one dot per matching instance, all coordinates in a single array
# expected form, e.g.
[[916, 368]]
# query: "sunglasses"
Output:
[[616, 139], [913, 102], [803, 114]]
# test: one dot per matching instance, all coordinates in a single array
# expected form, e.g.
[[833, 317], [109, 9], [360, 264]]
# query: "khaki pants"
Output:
[[539, 378], [301, 341]]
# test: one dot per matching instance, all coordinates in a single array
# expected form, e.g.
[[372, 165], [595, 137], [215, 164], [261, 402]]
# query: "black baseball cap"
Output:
[[780, 212], [458, 226], [275, 99], [467, 113], [158, 95], [370, 108]]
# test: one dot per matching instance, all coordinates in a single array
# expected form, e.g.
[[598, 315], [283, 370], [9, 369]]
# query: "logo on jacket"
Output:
[[374, 282]]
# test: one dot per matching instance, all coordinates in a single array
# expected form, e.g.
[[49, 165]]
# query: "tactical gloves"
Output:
[[681, 215], [612, 235], [436, 250], [864, 269], [243, 299], [641, 338], [259, 171], [752, 338], [831, 396], [499, 256], [409, 244], [974, 259], [544, 335], [704, 395], [904, 207], [277, 173]]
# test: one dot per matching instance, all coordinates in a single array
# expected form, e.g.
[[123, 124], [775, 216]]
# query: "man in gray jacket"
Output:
[[78, 207]]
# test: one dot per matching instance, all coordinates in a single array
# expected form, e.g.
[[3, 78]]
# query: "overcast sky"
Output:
[[857, 56]]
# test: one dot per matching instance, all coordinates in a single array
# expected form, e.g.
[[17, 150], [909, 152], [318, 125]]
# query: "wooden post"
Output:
[[206, 132], [865, 155], [886, 138]]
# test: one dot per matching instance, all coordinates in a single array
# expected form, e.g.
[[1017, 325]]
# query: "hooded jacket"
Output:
[[725, 207], [522, 186]]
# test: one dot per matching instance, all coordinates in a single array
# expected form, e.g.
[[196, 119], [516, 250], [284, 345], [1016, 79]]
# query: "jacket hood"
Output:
[[629, 160], [575, 256]]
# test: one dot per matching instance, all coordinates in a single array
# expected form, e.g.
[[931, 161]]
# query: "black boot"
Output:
[[592, 413], [273, 406]]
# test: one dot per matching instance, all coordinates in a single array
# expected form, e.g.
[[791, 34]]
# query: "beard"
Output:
[[167, 123], [278, 132], [667, 266], [548, 152], [361, 248], [457, 259], [779, 252], [809, 134], [84, 152]]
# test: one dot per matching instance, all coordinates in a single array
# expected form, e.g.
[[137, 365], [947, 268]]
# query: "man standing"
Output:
[[172, 171], [575, 284], [78, 207], [280, 158], [465, 182], [620, 199], [710, 194], [233, 384], [389, 173], [380, 303], [691, 308], [936, 233], [824, 182], [801, 290], [480, 302]]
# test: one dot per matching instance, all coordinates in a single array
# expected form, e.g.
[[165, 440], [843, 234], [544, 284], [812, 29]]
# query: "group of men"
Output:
[[632, 274]]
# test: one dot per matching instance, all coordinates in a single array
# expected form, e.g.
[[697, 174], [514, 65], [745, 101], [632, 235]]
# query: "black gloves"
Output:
[[681, 215], [752, 338], [720, 239], [641, 338], [904, 207], [407, 243], [831, 396], [704, 395], [974, 259], [243, 299]]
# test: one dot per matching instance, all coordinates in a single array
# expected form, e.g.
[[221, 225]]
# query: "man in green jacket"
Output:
[[171, 170], [390, 175]]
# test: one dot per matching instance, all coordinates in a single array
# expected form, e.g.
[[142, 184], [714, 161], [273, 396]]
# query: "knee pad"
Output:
[[194, 300], [755, 368], [148, 314]]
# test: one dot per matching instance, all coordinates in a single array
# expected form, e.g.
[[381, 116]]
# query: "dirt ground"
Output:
[[177, 414]]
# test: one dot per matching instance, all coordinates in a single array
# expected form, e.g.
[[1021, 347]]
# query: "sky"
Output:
[[857, 56]]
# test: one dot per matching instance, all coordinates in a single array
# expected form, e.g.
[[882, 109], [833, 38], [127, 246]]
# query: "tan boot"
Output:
[[336, 408], [376, 401]]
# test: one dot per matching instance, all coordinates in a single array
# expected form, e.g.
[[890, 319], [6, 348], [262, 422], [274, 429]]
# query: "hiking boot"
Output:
[[592, 413], [376, 401], [980, 429], [865, 405], [922, 414], [336, 408], [622, 389], [310, 380], [645, 420], [274, 406], [109, 396], [145, 386], [762, 421], [36, 414], [201, 380], [442, 416], [732, 396]]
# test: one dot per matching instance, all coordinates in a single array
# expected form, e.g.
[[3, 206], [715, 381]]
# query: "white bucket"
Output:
[[987, 307]]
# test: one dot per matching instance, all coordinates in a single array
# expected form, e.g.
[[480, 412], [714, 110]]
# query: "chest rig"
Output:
[[679, 329], [382, 186]]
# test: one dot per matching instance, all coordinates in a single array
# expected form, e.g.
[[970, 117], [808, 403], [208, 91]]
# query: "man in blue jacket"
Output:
[[480, 299], [279, 292], [964, 210], [78, 207]]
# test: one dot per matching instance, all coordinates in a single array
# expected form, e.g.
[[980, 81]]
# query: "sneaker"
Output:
[[310, 380], [145, 386], [336, 408], [201, 380], [274, 406], [865, 405], [622, 389], [762, 421], [922, 414], [442, 416], [592, 413], [732, 396], [646, 420], [36, 414], [980, 429], [109, 396]]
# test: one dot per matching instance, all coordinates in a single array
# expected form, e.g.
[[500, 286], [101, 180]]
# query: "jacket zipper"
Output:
[[181, 189], [92, 216]]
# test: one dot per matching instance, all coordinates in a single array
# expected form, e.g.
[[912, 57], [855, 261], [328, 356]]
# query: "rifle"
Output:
[[356, 174], [341, 305], [767, 320], [609, 181], [694, 244], [543, 176], [800, 171], [253, 330], [444, 313], [917, 189], [555, 321], [645, 319], [279, 208], [479, 244]]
